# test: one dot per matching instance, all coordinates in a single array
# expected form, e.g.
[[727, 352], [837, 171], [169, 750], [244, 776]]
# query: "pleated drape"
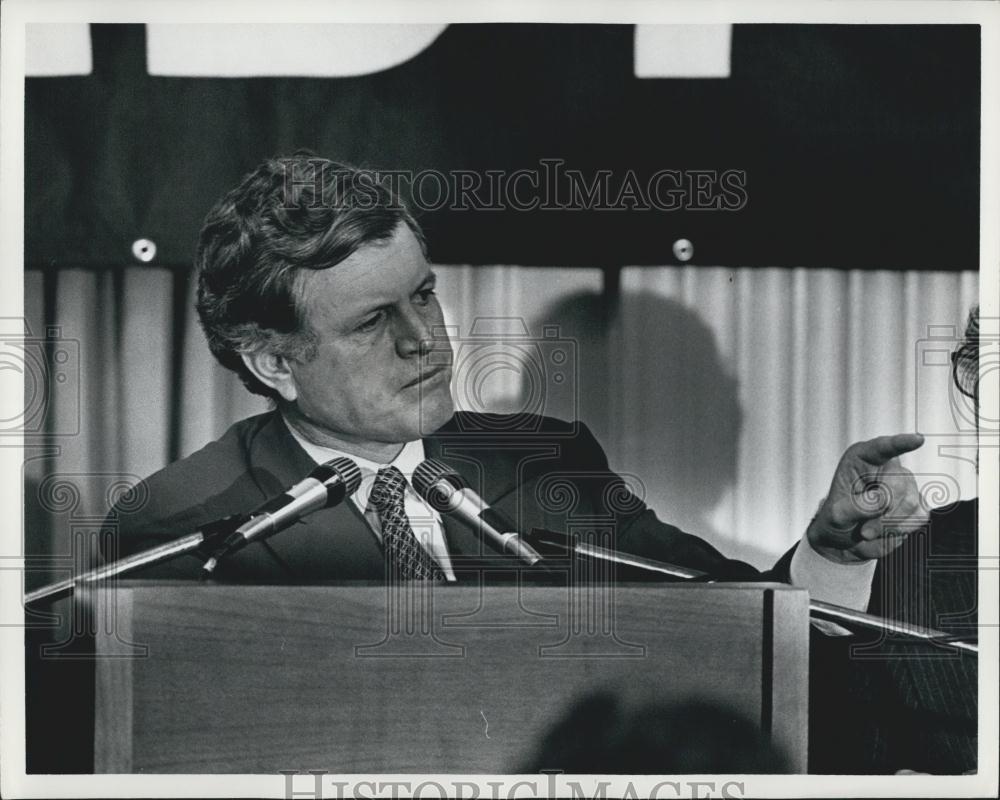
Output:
[[727, 394], [820, 359]]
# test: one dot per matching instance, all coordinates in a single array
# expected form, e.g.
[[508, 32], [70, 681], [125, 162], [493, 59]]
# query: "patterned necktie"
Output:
[[405, 558]]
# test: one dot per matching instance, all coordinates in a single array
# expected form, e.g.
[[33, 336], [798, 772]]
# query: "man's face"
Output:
[[373, 380]]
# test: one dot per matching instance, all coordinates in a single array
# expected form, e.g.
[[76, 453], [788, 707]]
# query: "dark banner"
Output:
[[828, 146]]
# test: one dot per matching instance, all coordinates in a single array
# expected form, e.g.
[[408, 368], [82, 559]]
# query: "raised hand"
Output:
[[873, 502]]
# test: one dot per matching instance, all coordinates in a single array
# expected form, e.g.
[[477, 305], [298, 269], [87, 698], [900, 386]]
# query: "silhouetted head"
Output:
[[606, 734]]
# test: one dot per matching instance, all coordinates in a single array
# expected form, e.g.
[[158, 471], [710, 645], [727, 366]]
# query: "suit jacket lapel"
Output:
[[329, 543]]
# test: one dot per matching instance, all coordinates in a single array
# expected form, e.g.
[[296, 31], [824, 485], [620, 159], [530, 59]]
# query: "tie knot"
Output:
[[388, 489]]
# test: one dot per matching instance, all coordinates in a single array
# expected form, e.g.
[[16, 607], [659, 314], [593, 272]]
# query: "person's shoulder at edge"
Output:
[[477, 424], [574, 446], [212, 482], [207, 465]]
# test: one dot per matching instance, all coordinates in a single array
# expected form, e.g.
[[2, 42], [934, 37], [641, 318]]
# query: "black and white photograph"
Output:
[[458, 400]]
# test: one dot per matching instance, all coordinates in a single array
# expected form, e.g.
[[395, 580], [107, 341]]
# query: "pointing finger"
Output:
[[882, 449]]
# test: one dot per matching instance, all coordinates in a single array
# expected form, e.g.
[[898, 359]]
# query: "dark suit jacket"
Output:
[[880, 704], [538, 471], [931, 580]]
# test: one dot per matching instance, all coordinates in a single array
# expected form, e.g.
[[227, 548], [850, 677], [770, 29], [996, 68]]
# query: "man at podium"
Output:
[[314, 287]]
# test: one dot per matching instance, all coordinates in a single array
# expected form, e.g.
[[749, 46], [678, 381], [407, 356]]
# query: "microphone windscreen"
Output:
[[430, 472], [349, 472]]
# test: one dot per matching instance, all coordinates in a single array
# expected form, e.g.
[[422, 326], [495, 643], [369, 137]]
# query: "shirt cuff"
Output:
[[848, 585]]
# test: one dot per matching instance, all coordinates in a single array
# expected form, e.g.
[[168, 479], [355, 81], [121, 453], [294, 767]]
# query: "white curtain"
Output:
[[728, 394]]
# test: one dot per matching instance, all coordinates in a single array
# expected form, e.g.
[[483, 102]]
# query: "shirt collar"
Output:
[[409, 458]]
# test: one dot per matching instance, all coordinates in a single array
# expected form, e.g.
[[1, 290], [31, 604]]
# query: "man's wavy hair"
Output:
[[289, 215]]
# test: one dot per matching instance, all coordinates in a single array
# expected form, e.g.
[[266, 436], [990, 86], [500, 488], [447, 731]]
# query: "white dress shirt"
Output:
[[424, 520]]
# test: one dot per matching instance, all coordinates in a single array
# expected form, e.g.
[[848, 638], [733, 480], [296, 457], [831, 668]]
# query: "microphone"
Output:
[[447, 491], [324, 487]]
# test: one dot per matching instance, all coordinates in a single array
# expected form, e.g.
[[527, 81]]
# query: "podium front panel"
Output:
[[424, 678]]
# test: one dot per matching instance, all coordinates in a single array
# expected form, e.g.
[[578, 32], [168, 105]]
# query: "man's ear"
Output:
[[272, 370]]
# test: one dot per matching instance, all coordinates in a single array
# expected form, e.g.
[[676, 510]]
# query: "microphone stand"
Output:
[[209, 540], [817, 608]]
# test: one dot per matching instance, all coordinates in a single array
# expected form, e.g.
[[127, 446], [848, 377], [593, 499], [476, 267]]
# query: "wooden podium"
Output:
[[416, 678]]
